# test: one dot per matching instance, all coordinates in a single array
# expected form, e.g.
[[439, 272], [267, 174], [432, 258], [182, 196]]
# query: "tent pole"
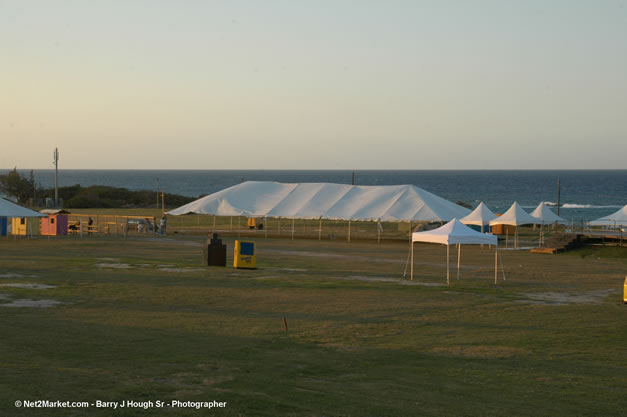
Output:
[[265, 227], [502, 269], [320, 229], [506, 235], [238, 228], [214, 222], [448, 282], [411, 274], [349, 230], [459, 254], [231, 227], [292, 229], [516, 238], [410, 230], [496, 264], [378, 232]]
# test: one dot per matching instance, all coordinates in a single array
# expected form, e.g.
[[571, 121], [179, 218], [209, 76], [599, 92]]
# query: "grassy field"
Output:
[[138, 318]]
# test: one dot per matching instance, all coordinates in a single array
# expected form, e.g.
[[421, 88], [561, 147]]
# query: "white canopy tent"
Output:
[[481, 216], [515, 216], [326, 201], [455, 232], [618, 218], [544, 215]]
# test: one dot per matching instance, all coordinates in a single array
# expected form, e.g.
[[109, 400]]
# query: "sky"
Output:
[[283, 84]]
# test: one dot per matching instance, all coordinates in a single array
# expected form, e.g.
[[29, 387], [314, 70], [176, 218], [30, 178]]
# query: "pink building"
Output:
[[55, 224]]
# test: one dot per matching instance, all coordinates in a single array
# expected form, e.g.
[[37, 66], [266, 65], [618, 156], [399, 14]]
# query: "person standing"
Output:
[[163, 225]]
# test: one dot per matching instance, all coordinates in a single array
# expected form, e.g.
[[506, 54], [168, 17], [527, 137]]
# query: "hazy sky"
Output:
[[314, 84]]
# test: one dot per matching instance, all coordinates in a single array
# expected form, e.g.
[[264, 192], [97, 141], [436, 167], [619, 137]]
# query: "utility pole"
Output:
[[56, 176], [558, 196]]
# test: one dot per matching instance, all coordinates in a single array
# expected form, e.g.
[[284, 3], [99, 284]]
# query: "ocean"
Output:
[[585, 194]]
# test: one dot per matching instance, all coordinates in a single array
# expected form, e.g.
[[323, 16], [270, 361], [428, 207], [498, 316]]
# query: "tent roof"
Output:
[[55, 211], [9, 209], [514, 216], [327, 201], [452, 233], [618, 218], [480, 216], [545, 215]]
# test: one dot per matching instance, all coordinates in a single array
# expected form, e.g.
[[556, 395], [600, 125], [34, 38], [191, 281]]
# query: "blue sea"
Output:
[[585, 194]]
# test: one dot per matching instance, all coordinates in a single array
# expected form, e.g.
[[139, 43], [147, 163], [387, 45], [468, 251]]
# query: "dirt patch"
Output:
[[181, 269], [31, 303], [29, 286], [401, 281], [556, 298], [113, 266], [481, 351], [12, 275]]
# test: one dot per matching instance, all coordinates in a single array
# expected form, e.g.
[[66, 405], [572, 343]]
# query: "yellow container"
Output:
[[245, 254], [18, 226]]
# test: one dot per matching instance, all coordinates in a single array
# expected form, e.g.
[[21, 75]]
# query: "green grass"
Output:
[[611, 252], [361, 342]]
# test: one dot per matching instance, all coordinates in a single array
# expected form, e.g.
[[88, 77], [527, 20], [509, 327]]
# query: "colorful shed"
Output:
[[19, 226], [56, 224]]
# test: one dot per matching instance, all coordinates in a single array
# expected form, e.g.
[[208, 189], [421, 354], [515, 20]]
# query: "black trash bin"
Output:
[[214, 252]]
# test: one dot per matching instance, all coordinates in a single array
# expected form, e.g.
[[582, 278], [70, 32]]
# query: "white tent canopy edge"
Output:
[[325, 201]]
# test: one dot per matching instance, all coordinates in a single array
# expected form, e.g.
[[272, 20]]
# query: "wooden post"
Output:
[[349, 230], [292, 229], [378, 232]]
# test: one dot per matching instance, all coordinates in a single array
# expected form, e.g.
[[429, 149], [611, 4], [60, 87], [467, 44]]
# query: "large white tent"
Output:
[[325, 201], [481, 216], [454, 232], [618, 218], [515, 216], [9, 209]]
